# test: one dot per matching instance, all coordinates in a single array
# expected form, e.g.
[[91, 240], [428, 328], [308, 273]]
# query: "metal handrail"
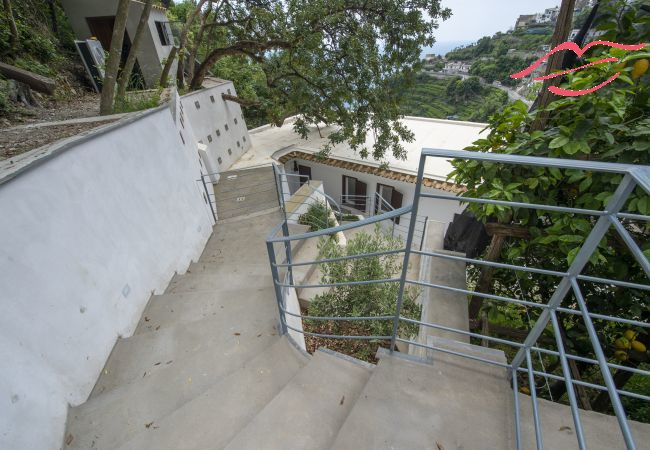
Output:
[[568, 283]]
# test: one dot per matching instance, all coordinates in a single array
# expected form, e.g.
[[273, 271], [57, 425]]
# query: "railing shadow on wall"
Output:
[[566, 298]]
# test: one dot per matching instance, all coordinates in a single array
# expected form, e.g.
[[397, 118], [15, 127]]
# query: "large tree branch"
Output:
[[242, 101]]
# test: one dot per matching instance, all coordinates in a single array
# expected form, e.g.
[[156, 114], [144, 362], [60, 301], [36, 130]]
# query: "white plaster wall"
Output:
[[439, 210], [151, 51], [208, 112], [85, 238]]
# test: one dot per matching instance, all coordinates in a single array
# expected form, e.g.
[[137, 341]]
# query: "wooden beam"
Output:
[[33, 80], [504, 229]]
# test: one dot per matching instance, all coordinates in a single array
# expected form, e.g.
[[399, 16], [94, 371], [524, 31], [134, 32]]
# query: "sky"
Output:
[[473, 19]]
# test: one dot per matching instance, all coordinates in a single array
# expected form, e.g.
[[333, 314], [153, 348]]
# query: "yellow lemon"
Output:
[[638, 346], [524, 390], [629, 335], [622, 343], [640, 67], [620, 355]]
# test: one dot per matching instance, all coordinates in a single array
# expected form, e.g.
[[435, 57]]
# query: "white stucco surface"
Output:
[[86, 235], [270, 141], [209, 115]]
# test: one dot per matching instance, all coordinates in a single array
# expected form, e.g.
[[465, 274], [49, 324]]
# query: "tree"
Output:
[[379, 299], [125, 76], [114, 58], [610, 124], [330, 62], [12, 23]]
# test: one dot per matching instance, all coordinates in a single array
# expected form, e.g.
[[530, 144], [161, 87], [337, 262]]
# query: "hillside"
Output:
[[452, 98]]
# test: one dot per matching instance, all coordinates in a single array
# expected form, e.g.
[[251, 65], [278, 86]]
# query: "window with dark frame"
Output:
[[354, 193], [164, 33]]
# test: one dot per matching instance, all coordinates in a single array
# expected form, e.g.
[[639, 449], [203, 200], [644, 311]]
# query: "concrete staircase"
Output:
[[207, 368]]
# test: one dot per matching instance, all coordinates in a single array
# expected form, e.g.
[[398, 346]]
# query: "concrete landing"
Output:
[[243, 192], [311, 408]]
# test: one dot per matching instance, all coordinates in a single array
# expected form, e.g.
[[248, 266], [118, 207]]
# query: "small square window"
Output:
[[209, 138], [238, 144], [212, 98], [218, 133], [235, 121], [229, 93], [200, 141], [197, 104], [244, 138], [226, 127], [230, 151], [219, 160]]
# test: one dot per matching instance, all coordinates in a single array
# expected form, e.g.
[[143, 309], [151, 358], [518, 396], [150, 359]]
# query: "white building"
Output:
[[347, 177], [95, 18]]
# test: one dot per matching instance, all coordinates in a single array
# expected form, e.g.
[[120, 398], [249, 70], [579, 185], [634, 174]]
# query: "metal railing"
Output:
[[570, 282]]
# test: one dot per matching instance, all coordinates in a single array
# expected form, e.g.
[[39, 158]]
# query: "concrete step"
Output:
[[171, 309], [259, 266], [308, 251], [135, 357], [311, 408], [214, 417], [121, 413], [211, 282], [454, 403]]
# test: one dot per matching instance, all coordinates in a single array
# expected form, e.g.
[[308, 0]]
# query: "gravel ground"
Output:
[[14, 141]]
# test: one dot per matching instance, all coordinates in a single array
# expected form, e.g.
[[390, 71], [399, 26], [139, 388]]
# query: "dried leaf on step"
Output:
[[342, 400], [68, 439], [237, 334], [147, 425], [440, 447]]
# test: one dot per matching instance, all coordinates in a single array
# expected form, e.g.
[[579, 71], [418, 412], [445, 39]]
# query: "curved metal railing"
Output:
[[570, 282]]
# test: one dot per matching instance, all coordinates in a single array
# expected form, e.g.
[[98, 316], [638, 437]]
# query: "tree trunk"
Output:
[[560, 35], [114, 57], [485, 278], [197, 41], [12, 23], [164, 76], [125, 76], [182, 42], [55, 23]]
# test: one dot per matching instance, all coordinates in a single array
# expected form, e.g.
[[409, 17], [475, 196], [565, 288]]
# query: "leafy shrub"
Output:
[[377, 299], [317, 217]]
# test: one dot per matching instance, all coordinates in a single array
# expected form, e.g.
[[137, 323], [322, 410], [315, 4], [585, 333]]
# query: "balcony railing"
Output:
[[570, 282]]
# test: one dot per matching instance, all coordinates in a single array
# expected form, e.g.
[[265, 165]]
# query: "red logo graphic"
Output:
[[578, 51]]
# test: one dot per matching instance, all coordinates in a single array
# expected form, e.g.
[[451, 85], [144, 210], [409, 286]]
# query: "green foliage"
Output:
[[327, 61], [138, 101], [377, 299], [318, 217], [610, 124], [440, 98]]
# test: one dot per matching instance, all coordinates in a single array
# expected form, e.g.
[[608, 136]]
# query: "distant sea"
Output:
[[441, 48]]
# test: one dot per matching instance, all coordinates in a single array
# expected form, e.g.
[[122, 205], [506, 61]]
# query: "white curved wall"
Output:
[[86, 235]]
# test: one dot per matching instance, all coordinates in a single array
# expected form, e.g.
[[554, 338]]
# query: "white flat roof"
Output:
[[268, 143]]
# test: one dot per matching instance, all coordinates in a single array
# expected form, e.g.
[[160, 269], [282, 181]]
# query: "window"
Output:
[[230, 151], [244, 138], [226, 127], [387, 199], [354, 193], [305, 172], [164, 33], [197, 104], [238, 144], [219, 160], [212, 98], [235, 121], [229, 93], [209, 138], [218, 132]]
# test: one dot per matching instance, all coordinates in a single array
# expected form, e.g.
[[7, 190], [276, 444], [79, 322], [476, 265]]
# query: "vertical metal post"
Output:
[[407, 252], [207, 195], [424, 231], [604, 368], [533, 397], [287, 249], [276, 280], [515, 392], [580, 261], [277, 188], [568, 380]]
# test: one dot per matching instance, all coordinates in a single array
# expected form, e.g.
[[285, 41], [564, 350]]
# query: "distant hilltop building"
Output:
[[524, 20]]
